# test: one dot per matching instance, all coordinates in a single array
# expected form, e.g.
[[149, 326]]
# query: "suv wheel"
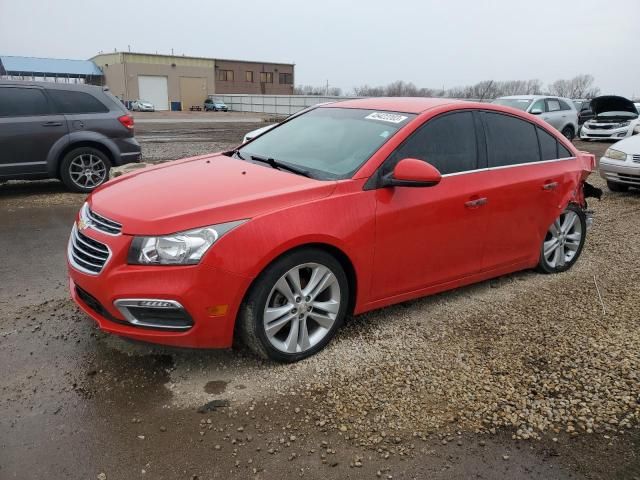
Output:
[[295, 307], [568, 132], [85, 168]]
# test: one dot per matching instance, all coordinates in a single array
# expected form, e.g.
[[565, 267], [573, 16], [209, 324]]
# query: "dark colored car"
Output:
[[72, 132], [585, 113]]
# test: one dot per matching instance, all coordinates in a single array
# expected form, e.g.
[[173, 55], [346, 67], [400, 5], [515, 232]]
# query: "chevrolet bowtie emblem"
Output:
[[82, 224]]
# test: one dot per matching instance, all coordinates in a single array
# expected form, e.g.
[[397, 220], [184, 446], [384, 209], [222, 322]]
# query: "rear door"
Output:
[[432, 235], [28, 130], [523, 189], [84, 112], [554, 114]]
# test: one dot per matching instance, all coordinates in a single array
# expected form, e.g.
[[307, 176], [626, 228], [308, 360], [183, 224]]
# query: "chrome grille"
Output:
[[103, 224], [636, 158], [87, 254]]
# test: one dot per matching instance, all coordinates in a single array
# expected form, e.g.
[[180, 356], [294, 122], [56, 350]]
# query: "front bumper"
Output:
[[600, 133], [210, 296], [627, 172]]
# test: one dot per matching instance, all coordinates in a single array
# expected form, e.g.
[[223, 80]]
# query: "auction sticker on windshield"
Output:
[[386, 117]]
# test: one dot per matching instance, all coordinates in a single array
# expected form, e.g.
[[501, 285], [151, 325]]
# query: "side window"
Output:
[[447, 142], [564, 105], [67, 101], [538, 105], [553, 105], [510, 141], [563, 152], [22, 102], [548, 145]]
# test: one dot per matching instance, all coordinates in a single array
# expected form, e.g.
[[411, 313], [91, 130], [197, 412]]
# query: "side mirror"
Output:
[[535, 111], [410, 172]]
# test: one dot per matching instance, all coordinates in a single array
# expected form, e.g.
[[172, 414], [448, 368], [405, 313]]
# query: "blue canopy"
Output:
[[51, 66]]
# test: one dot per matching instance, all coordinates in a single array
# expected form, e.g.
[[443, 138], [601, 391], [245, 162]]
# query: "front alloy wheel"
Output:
[[295, 306], [564, 241]]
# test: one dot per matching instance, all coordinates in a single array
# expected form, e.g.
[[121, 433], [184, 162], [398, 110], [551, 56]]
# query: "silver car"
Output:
[[620, 166], [142, 106], [559, 112]]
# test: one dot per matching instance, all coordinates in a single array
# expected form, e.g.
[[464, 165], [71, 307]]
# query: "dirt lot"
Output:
[[525, 376]]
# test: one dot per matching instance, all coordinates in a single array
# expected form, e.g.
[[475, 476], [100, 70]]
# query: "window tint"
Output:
[[510, 141], [564, 105], [563, 152], [553, 105], [67, 101], [15, 102], [447, 142], [548, 145], [539, 105]]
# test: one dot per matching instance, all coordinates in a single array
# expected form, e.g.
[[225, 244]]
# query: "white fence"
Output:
[[280, 104], [273, 104]]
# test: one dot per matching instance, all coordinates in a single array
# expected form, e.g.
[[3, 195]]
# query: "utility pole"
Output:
[[327, 91]]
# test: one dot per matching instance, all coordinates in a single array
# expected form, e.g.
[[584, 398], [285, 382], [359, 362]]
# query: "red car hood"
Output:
[[200, 191]]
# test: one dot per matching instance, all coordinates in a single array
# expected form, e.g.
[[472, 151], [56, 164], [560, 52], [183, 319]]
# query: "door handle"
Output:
[[52, 124], [550, 186], [478, 202]]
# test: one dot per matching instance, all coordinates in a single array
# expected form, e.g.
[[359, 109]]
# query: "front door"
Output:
[[432, 235], [28, 130]]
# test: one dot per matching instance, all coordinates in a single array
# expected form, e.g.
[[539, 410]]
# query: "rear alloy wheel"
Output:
[[568, 132], [295, 307], [564, 241], [617, 187], [85, 168]]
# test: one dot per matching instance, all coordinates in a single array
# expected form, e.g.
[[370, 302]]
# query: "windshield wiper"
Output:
[[237, 153], [281, 166]]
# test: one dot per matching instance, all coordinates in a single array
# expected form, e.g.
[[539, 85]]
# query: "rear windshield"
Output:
[[519, 103]]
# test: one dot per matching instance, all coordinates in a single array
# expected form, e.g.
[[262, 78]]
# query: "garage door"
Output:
[[154, 89], [193, 91]]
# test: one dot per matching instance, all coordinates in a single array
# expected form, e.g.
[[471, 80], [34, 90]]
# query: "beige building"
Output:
[[174, 82]]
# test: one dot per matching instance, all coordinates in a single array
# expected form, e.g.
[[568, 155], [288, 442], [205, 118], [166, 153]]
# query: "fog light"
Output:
[[154, 313]]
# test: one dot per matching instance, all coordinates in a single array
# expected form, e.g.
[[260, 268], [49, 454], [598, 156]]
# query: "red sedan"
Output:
[[348, 207]]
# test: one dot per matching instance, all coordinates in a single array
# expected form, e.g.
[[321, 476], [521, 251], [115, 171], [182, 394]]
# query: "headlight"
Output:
[[622, 124], [183, 248], [615, 154]]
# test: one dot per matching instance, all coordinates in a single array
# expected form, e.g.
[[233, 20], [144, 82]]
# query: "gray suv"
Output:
[[559, 112], [72, 132]]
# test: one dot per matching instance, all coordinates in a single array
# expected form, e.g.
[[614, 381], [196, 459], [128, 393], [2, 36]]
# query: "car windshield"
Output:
[[519, 103], [329, 143]]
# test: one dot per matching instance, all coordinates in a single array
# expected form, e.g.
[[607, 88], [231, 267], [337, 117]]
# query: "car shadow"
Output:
[[26, 190]]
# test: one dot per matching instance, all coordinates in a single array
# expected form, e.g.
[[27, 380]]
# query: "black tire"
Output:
[[568, 132], [617, 187], [66, 167], [250, 324], [544, 265]]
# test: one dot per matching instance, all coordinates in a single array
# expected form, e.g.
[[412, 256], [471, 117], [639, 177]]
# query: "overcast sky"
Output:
[[349, 43]]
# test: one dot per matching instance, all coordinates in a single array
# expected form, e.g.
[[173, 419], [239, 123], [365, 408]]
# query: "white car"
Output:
[[142, 106], [254, 133], [559, 112], [614, 117], [620, 166]]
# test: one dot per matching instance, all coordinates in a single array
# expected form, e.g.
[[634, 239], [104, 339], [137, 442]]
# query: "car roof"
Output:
[[393, 104], [53, 85]]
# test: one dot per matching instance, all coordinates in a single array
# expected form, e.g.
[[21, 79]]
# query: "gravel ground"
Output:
[[524, 376]]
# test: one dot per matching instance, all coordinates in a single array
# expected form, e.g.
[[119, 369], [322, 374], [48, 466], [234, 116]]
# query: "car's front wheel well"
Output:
[[72, 146], [335, 252]]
